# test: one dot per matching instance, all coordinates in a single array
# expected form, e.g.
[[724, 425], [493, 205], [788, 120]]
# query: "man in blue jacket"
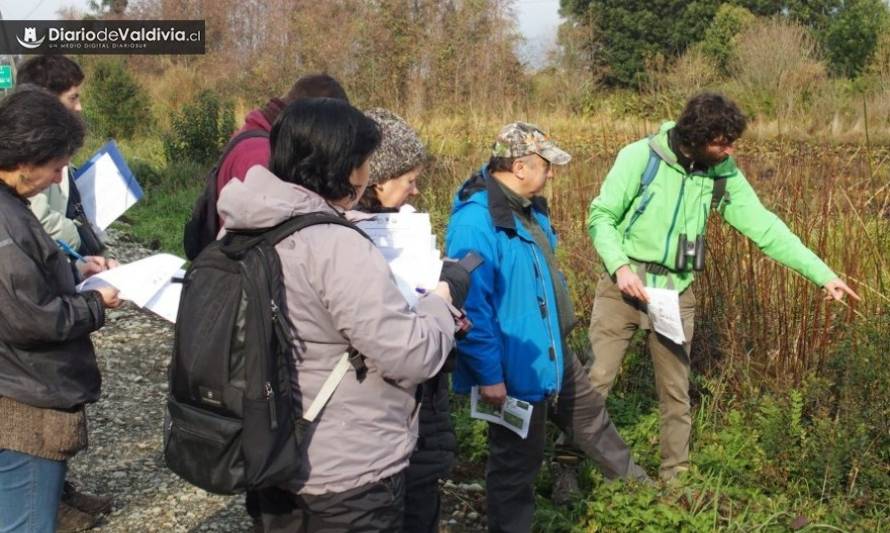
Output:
[[521, 311]]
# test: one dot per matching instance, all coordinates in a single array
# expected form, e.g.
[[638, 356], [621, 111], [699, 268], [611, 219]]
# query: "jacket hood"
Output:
[[481, 188], [263, 200], [256, 120], [660, 144]]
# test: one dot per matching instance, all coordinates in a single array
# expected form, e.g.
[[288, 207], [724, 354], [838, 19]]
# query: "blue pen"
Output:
[[69, 251]]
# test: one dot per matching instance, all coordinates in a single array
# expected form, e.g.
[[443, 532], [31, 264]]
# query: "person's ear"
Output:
[[518, 164]]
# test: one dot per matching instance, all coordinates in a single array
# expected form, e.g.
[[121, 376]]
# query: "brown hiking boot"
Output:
[[70, 520], [85, 502]]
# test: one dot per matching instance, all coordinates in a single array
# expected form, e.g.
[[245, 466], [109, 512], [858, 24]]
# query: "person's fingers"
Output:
[[851, 292], [643, 296]]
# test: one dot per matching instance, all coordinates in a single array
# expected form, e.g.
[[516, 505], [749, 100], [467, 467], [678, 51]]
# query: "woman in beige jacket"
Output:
[[340, 295]]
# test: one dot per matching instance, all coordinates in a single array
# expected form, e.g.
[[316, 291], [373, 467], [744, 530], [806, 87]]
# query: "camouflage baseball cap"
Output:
[[521, 138]]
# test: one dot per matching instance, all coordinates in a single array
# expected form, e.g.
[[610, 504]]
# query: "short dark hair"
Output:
[[37, 128], [318, 142], [370, 202], [501, 164], [55, 73], [316, 86], [707, 117]]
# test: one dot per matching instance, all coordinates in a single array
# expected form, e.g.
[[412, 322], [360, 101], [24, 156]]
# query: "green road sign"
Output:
[[5, 76]]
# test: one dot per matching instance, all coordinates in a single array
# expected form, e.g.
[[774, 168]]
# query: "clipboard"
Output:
[[107, 186]]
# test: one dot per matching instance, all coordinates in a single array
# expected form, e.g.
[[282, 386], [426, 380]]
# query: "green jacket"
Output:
[[680, 203]]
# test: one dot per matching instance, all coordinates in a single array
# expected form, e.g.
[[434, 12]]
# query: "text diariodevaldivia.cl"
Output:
[[155, 34]]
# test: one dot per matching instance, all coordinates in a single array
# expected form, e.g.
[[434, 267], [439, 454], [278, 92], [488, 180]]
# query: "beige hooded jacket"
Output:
[[340, 293]]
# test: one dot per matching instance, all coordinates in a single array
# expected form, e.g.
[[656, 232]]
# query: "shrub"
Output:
[[718, 43], [200, 130], [115, 105], [776, 65]]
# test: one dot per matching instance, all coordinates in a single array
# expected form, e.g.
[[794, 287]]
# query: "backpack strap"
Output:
[[237, 242], [328, 388], [718, 192], [646, 179]]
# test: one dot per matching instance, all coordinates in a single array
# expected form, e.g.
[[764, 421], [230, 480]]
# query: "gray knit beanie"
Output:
[[400, 150]]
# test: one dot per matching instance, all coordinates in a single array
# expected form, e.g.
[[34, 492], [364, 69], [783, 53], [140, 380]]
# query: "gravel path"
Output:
[[125, 431], [124, 458]]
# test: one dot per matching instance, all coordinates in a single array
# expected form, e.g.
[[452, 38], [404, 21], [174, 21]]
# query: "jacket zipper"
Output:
[[268, 391], [543, 305]]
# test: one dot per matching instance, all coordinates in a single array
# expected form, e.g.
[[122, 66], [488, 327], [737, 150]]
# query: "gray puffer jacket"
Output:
[[340, 293]]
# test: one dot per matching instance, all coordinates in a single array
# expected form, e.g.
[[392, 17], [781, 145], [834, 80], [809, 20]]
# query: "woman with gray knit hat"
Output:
[[395, 167]]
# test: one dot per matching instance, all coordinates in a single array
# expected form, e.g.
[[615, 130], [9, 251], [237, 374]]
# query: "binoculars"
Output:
[[693, 251]]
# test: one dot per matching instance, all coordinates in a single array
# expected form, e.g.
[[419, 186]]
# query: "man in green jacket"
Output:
[[636, 226]]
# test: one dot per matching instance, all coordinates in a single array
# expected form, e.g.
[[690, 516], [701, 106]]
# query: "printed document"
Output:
[[407, 243], [664, 312], [515, 415], [107, 186], [147, 283]]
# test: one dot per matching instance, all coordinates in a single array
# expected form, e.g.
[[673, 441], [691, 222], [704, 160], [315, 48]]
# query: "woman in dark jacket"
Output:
[[48, 369], [395, 168]]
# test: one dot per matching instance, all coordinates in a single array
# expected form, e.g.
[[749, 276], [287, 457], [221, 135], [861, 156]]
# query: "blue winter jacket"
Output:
[[515, 337]]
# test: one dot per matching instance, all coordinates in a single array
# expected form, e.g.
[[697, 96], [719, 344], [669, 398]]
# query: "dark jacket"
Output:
[[436, 442], [46, 356]]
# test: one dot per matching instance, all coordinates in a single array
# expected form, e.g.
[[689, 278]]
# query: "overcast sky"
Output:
[[538, 20]]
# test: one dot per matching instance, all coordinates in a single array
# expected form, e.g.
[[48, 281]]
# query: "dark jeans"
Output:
[[374, 507], [513, 463], [422, 506]]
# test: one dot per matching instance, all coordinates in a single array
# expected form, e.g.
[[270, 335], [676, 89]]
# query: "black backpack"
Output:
[[232, 423], [203, 225]]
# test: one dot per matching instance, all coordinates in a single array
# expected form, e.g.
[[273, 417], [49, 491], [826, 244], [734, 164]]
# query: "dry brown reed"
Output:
[[758, 323]]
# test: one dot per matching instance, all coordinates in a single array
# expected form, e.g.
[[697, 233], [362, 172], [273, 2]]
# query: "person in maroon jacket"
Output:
[[255, 150], [252, 151]]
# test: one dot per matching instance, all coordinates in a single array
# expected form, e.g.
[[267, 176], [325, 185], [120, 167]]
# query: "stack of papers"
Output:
[[147, 283], [407, 242], [515, 415], [107, 186]]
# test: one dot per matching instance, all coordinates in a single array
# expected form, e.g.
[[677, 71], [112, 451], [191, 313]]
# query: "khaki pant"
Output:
[[614, 320]]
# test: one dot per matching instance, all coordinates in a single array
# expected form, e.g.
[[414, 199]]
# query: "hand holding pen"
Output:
[[90, 265]]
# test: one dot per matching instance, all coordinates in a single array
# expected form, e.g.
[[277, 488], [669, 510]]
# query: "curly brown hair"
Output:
[[708, 117]]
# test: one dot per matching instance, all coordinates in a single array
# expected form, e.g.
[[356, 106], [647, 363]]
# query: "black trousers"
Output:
[[513, 462], [422, 507], [370, 508]]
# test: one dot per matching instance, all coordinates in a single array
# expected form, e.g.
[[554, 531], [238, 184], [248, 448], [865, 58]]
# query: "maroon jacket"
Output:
[[249, 152]]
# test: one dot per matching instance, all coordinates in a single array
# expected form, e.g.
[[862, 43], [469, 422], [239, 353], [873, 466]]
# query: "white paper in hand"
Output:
[[139, 281], [515, 414], [406, 241], [664, 312]]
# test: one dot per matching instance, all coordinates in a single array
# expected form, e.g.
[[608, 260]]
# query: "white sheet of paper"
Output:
[[105, 193], [140, 280], [664, 312], [166, 302], [406, 241], [515, 415]]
